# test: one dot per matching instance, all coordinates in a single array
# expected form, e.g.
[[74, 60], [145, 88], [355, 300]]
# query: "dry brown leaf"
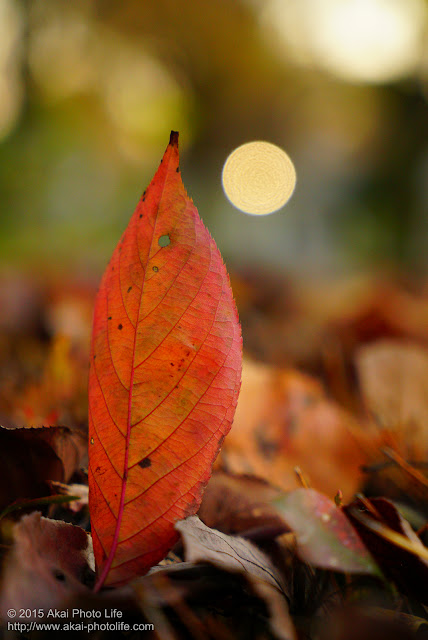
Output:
[[237, 503], [202, 544], [31, 457], [212, 602], [46, 564], [284, 420], [71, 447], [27, 463]]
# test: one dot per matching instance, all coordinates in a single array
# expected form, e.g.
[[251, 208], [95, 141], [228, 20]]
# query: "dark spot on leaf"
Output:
[[164, 241], [144, 199], [178, 169], [141, 215], [97, 469], [58, 575], [129, 289], [172, 364], [155, 269], [120, 327], [109, 318], [145, 462], [144, 192]]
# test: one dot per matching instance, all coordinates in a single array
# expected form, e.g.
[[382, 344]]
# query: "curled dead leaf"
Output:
[[403, 558], [27, 463], [30, 458]]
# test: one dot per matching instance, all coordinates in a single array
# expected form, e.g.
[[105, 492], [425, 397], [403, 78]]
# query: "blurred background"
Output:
[[89, 91]]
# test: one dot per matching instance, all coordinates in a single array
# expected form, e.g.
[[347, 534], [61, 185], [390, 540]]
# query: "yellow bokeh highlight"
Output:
[[258, 178]]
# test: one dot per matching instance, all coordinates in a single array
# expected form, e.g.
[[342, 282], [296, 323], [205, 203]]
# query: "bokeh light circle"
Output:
[[258, 178]]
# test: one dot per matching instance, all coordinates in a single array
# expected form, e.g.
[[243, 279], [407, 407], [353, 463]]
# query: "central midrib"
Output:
[[111, 555]]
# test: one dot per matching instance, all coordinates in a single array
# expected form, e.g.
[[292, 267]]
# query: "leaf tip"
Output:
[[173, 139]]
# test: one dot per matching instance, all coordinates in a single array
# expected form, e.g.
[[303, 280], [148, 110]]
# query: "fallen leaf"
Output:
[[202, 544], [198, 601], [240, 503], [376, 520], [27, 464], [70, 445], [324, 536], [31, 457], [164, 377], [284, 420], [46, 565]]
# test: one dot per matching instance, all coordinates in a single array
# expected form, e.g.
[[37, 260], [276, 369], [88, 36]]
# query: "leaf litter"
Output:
[[333, 384]]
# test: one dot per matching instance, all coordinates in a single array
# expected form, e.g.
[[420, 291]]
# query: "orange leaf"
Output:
[[164, 381]]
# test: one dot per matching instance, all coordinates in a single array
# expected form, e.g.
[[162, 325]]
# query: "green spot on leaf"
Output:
[[164, 241]]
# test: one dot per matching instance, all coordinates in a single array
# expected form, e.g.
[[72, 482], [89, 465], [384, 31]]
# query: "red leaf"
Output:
[[164, 381]]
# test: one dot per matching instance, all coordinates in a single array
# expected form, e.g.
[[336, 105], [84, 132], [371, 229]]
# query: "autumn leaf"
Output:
[[30, 458], [202, 544], [164, 377], [284, 419], [46, 565], [324, 535], [212, 600], [393, 543], [241, 504]]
